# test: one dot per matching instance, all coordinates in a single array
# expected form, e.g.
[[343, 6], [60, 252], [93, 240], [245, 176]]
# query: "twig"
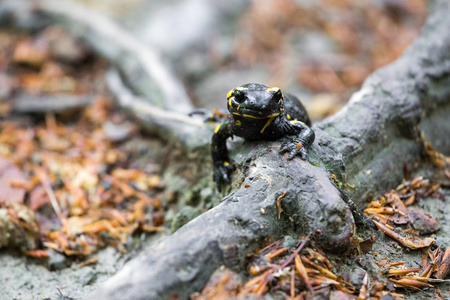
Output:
[[51, 195], [297, 251], [279, 204]]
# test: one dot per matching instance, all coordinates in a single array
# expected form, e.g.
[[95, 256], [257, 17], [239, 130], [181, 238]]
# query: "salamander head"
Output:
[[256, 101]]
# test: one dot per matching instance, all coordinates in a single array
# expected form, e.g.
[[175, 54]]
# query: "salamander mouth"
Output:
[[255, 114]]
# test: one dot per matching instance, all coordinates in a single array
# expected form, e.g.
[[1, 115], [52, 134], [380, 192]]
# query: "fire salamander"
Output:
[[258, 112]]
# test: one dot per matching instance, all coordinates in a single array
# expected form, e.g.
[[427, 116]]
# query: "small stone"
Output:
[[399, 231], [56, 260], [390, 286], [87, 275], [387, 296], [289, 242], [356, 277], [422, 221]]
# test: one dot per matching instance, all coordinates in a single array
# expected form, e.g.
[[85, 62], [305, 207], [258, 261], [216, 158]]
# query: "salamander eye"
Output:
[[278, 96], [239, 96]]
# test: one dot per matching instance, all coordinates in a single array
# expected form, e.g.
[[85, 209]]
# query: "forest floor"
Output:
[[91, 179]]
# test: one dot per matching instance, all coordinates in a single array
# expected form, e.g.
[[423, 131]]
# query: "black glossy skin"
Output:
[[258, 112]]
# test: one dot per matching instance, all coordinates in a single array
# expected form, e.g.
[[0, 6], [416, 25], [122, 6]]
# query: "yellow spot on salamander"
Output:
[[238, 107], [267, 124], [217, 128], [230, 93], [254, 117], [229, 102], [240, 88], [297, 121], [225, 163], [238, 123], [273, 89], [288, 116]]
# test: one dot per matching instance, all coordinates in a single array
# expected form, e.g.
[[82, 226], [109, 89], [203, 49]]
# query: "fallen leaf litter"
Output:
[[67, 187], [77, 187]]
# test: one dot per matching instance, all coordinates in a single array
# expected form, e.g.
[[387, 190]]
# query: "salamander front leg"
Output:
[[219, 153], [298, 145]]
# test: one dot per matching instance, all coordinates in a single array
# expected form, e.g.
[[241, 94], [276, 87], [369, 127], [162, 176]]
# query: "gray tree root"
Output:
[[183, 262], [367, 143]]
